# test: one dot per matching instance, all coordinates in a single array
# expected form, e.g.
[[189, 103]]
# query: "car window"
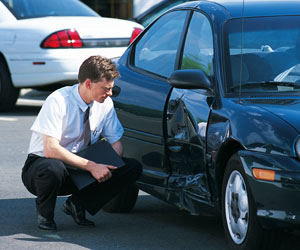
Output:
[[266, 57], [23, 9], [198, 47], [156, 50]]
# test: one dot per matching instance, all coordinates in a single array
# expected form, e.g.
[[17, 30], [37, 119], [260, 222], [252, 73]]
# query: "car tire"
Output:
[[241, 226], [124, 202], [8, 93]]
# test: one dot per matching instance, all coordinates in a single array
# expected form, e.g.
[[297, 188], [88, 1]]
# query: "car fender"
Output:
[[233, 127], [254, 127]]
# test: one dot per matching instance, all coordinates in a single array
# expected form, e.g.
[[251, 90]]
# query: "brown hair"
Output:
[[96, 68]]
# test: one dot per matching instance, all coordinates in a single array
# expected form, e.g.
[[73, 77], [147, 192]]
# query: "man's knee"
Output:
[[53, 170]]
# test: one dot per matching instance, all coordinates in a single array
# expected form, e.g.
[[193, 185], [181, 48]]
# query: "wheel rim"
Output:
[[236, 207]]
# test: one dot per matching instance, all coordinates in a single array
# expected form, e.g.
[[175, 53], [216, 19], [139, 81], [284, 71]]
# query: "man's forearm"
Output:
[[53, 149], [118, 147]]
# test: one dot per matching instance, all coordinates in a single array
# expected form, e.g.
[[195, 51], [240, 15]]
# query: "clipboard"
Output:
[[99, 152]]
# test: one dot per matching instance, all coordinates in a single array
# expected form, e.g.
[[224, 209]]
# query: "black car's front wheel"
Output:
[[242, 229]]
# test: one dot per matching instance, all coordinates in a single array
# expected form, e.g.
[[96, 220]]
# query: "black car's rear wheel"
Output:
[[242, 228], [8, 93], [124, 201]]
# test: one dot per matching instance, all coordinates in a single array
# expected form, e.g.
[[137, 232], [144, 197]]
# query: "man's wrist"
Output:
[[89, 165]]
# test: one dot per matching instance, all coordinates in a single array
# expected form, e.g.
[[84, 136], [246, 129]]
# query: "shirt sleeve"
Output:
[[112, 129], [50, 119]]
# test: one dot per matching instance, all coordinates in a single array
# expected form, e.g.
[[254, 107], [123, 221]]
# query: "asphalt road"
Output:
[[151, 225]]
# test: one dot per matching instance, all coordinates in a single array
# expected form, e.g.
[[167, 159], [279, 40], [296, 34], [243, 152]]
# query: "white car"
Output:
[[44, 42]]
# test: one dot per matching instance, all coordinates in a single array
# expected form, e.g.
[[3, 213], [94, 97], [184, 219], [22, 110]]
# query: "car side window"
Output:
[[156, 50], [198, 47]]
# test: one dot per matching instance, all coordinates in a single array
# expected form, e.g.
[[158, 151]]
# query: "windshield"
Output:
[[23, 9], [265, 58]]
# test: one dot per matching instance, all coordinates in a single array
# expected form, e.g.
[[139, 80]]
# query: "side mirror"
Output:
[[190, 79], [116, 91]]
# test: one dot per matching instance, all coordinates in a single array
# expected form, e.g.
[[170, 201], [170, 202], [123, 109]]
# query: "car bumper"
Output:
[[278, 201], [52, 65]]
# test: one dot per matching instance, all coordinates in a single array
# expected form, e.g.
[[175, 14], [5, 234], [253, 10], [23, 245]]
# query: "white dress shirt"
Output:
[[62, 116]]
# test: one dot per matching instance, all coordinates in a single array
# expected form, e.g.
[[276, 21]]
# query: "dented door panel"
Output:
[[187, 116]]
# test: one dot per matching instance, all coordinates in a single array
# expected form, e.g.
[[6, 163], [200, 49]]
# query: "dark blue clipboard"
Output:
[[99, 152]]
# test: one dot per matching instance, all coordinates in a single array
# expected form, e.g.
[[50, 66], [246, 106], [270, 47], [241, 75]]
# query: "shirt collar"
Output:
[[78, 100]]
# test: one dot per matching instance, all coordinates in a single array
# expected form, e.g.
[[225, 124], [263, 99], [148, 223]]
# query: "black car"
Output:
[[210, 105]]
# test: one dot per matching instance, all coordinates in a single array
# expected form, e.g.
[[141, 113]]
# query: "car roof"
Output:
[[252, 8], [151, 11]]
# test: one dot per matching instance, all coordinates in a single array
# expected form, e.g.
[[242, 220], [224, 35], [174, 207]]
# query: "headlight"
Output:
[[297, 147]]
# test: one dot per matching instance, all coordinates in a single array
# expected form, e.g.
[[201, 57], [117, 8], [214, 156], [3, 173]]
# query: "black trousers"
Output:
[[48, 178]]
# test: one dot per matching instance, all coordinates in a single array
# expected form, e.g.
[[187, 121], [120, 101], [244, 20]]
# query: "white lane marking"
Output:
[[8, 119]]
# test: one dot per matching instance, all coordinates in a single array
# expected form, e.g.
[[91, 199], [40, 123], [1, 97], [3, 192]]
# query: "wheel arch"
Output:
[[226, 151]]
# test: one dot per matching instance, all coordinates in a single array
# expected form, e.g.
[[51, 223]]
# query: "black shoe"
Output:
[[45, 224], [77, 212]]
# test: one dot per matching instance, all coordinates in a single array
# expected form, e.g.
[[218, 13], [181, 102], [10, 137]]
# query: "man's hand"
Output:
[[100, 172]]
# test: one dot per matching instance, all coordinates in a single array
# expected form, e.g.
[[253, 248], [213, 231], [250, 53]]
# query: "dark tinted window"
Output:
[[156, 50], [198, 48], [40, 8]]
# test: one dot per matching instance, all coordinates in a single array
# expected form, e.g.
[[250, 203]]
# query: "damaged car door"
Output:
[[187, 118]]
